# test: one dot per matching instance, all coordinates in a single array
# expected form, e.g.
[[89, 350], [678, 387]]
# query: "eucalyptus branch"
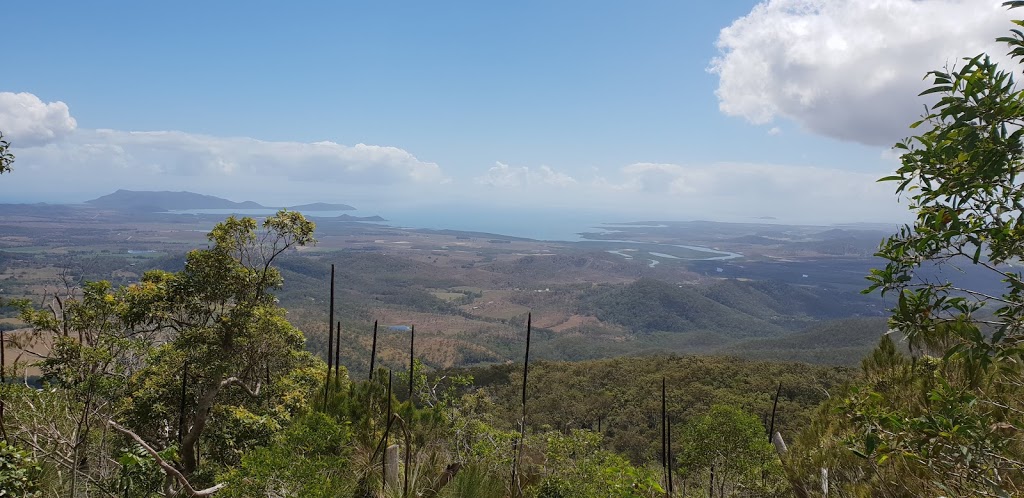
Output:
[[230, 381], [983, 296], [168, 468]]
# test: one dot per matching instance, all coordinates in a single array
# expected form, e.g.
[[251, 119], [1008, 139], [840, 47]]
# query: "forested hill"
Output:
[[730, 308], [158, 201], [625, 393], [836, 342], [166, 201]]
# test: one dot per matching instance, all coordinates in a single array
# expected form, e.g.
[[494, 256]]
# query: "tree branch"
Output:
[[236, 381], [168, 468]]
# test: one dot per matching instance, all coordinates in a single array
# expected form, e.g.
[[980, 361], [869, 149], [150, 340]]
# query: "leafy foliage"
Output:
[[577, 467], [19, 473], [6, 157], [946, 420], [730, 446], [202, 352], [622, 394], [308, 459]]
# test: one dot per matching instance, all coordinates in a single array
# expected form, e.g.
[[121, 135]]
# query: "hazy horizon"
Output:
[[736, 111]]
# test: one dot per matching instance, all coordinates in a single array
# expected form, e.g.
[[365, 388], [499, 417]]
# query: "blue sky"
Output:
[[564, 105]]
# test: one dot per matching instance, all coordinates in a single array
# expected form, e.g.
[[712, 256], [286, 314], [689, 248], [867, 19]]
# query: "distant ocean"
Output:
[[532, 224], [540, 224]]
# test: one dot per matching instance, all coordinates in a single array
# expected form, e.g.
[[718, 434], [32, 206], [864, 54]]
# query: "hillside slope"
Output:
[[836, 342], [156, 201]]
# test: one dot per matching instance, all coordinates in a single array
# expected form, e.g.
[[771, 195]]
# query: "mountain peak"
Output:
[[155, 201]]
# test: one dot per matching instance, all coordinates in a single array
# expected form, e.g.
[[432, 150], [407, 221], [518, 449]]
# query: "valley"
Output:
[[753, 290]]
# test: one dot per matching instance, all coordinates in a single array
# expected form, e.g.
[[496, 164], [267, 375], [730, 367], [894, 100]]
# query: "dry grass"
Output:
[[21, 351]]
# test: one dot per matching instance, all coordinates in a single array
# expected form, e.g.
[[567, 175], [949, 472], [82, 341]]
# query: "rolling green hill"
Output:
[[729, 308], [835, 342], [625, 392], [786, 304], [649, 305]]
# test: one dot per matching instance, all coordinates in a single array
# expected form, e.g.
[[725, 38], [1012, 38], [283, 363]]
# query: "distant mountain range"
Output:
[[153, 201]]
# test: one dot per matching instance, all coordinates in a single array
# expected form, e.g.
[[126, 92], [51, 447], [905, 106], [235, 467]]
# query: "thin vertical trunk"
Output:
[[337, 352], [412, 362], [526, 361], [330, 341], [711, 484], [387, 429], [664, 446], [373, 349], [775, 405], [408, 464], [668, 423], [516, 488], [181, 404], [388, 401]]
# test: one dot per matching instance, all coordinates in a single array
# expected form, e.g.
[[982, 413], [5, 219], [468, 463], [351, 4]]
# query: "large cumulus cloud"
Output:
[[53, 157], [173, 153], [848, 69], [28, 121]]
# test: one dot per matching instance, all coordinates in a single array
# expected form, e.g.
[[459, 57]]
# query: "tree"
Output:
[[159, 360], [954, 427], [729, 446], [6, 158], [576, 466]]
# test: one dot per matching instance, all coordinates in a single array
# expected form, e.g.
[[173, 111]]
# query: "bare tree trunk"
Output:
[[780, 444], [391, 466], [330, 342], [189, 443], [711, 485]]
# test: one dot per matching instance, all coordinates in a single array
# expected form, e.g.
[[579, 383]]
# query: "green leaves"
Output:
[[19, 473], [734, 443], [121, 354], [576, 466], [6, 158], [928, 423]]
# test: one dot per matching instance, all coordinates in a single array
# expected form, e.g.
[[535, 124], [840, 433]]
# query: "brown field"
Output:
[[21, 351]]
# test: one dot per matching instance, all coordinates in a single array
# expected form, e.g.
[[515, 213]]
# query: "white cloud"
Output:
[[504, 176], [848, 69], [27, 121], [721, 191], [67, 164], [51, 159], [744, 191]]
